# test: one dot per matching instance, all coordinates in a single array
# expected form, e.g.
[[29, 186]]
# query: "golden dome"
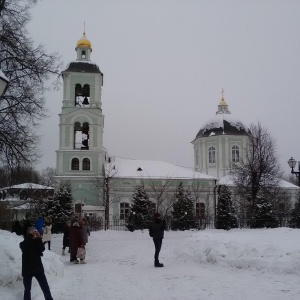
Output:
[[84, 42], [222, 102]]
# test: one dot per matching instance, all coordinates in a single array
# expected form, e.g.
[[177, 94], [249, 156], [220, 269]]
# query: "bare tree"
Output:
[[47, 176], [162, 192], [259, 173], [205, 212], [18, 175], [28, 68], [1, 5], [104, 186]]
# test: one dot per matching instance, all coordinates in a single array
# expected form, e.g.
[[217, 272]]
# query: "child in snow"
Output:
[[47, 232]]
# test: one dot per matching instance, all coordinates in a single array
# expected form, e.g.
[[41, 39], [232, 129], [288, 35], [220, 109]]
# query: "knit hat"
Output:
[[31, 230]]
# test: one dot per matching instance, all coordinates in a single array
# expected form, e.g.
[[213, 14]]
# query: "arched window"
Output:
[[86, 164], [75, 164], [235, 153], [212, 155], [83, 55]]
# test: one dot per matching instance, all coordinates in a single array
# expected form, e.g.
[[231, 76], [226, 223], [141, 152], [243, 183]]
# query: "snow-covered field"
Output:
[[211, 264]]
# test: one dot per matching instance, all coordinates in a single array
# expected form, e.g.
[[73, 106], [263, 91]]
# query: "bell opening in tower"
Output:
[[81, 136], [82, 95]]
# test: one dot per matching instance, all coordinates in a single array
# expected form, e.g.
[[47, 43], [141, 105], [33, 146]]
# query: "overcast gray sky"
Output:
[[165, 63]]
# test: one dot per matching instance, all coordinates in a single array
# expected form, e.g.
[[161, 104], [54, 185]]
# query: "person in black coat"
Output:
[[66, 237], [32, 249], [156, 231]]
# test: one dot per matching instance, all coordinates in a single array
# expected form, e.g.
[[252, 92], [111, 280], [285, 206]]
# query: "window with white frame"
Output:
[[212, 155], [124, 210], [235, 153]]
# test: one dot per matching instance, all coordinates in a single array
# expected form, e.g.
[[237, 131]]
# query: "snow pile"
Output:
[[245, 249], [11, 263], [210, 264]]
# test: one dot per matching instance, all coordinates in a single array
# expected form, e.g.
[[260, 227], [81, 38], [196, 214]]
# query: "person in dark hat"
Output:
[[32, 249], [156, 231]]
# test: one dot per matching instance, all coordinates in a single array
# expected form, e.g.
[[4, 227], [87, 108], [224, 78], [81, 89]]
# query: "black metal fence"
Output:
[[114, 223]]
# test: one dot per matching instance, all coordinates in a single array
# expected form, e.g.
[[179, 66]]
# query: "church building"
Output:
[[219, 142], [83, 161]]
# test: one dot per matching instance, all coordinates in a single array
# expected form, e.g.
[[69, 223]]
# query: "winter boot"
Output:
[[63, 252], [157, 264], [82, 261]]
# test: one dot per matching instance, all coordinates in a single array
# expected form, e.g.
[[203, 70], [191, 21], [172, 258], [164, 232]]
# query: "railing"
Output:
[[114, 223]]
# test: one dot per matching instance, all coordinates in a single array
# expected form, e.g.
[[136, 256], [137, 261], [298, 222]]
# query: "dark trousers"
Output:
[[157, 244], [49, 243], [42, 280]]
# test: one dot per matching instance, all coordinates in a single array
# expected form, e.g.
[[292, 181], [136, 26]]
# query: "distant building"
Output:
[[18, 197]]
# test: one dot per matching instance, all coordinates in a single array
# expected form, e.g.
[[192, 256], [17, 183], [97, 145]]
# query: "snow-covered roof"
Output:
[[228, 180], [92, 208], [222, 124], [82, 66], [21, 207], [28, 186], [135, 168]]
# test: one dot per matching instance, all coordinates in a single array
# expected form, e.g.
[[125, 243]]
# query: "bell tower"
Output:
[[80, 157]]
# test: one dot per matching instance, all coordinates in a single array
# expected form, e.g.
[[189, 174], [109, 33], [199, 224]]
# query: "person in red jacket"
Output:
[[32, 249]]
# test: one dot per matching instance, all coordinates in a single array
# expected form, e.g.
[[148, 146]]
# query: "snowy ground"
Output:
[[211, 264]]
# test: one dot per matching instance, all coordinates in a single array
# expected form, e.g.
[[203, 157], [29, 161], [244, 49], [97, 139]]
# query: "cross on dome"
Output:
[[223, 107]]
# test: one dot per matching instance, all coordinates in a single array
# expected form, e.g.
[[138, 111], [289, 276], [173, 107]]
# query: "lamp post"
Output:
[[292, 163], [3, 83], [215, 202]]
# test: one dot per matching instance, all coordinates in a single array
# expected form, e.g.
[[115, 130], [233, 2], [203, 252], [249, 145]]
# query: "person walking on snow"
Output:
[[85, 230], [66, 237], [76, 240], [156, 231], [47, 235], [32, 249]]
